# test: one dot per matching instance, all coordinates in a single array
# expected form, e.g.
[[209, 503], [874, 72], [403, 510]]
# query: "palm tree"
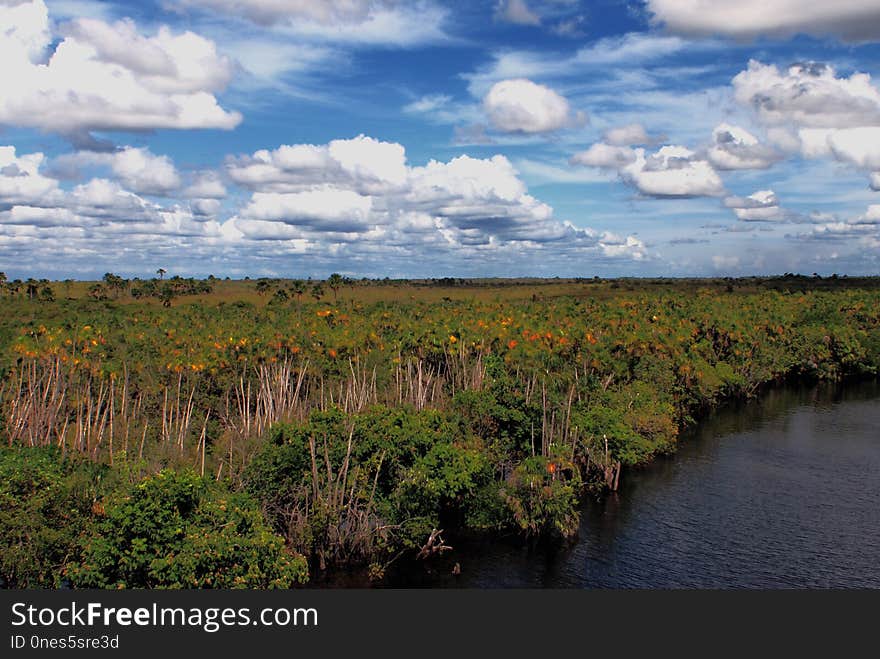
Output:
[[32, 289], [161, 272], [298, 288], [334, 282], [115, 283], [317, 292]]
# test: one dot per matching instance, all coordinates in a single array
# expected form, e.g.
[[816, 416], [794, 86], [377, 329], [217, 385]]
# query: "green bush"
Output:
[[45, 505], [176, 530]]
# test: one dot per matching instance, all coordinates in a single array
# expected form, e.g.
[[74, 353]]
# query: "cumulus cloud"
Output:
[[519, 105], [809, 95], [859, 234], [31, 202], [516, 11], [810, 109], [871, 216], [761, 206], [101, 76], [355, 200], [857, 146], [137, 168], [875, 181], [325, 209], [854, 20], [205, 185], [604, 156], [363, 163], [363, 192], [736, 148], [21, 181], [672, 171]]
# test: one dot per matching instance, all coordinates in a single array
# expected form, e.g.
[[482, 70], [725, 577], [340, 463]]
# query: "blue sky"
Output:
[[426, 138]]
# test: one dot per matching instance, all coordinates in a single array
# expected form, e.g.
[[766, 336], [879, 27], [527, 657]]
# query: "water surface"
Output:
[[782, 492]]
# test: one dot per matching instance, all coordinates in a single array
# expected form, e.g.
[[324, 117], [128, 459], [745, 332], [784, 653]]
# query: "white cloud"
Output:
[[629, 135], [206, 207], [93, 214], [20, 179], [871, 216], [856, 20], [362, 191], [673, 171], [25, 28], [605, 156], [516, 11], [137, 168], [875, 181], [761, 206], [428, 104], [326, 12], [519, 105], [810, 109], [736, 148], [108, 77], [206, 185], [808, 95], [365, 164], [857, 146], [623, 53], [324, 209], [354, 22], [630, 246]]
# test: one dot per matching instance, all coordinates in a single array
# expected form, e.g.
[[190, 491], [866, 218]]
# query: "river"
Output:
[[779, 492]]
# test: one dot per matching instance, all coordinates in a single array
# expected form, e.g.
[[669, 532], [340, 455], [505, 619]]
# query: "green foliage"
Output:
[[176, 530], [542, 495], [46, 503], [472, 407]]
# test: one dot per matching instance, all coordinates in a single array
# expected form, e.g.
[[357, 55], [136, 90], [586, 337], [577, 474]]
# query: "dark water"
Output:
[[783, 492]]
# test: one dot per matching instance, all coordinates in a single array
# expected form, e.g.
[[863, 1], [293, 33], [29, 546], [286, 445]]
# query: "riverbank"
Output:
[[348, 434], [773, 492]]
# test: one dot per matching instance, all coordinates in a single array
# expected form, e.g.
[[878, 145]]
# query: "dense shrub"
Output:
[[176, 530], [46, 504]]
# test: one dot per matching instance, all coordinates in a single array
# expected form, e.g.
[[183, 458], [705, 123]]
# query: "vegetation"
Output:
[[185, 433]]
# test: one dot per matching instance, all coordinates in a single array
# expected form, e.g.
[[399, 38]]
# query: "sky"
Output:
[[391, 138]]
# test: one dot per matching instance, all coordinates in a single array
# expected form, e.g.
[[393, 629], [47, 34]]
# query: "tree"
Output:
[[298, 288], [317, 292], [115, 283], [263, 286], [161, 272], [335, 281], [280, 297], [98, 292], [32, 289]]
